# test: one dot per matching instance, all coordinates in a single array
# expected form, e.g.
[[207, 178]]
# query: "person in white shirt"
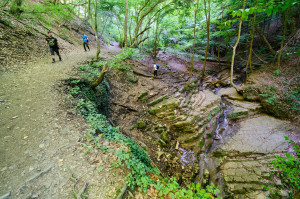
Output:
[[155, 70]]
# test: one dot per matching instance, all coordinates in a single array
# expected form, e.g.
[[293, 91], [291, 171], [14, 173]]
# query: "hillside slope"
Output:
[[22, 39]]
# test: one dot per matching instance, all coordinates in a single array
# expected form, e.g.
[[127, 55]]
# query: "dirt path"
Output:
[[39, 149]]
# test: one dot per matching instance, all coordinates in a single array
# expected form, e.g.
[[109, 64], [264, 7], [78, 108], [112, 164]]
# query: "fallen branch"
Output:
[[127, 107], [258, 57], [215, 60]]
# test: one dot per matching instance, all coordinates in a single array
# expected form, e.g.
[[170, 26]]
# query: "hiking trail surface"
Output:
[[40, 153]]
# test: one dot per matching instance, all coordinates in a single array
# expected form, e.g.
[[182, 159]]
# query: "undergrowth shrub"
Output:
[[287, 170]]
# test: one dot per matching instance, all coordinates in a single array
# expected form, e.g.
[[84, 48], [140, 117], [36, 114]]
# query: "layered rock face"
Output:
[[231, 139]]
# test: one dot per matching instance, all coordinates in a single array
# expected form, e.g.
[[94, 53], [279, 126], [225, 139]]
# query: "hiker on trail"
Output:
[[155, 68], [54, 46], [85, 42]]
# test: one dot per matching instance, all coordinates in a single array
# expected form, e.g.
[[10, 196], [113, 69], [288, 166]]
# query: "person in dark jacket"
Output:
[[54, 46]]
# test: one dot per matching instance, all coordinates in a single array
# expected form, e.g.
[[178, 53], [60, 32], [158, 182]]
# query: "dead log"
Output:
[[259, 57], [265, 40]]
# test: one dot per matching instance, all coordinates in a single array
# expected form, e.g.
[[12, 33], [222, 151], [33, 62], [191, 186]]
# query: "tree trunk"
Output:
[[156, 39], [265, 39], [100, 78], [235, 45], [207, 16], [283, 38], [15, 8], [220, 38], [194, 41], [125, 23], [130, 37], [104, 25], [251, 44], [94, 26]]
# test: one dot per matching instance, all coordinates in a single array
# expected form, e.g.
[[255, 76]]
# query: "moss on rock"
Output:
[[140, 125], [164, 137], [142, 95], [160, 99]]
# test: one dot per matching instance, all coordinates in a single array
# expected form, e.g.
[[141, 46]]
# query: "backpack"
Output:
[[157, 66]]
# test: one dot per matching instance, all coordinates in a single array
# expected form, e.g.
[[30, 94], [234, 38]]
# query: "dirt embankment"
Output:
[[23, 39]]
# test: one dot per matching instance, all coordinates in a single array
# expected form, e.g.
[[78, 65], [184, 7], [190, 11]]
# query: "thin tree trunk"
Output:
[[251, 44], [283, 38], [94, 26], [235, 45], [104, 25], [125, 23], [130, 37], [100, 78], [194, 41], [155, 40], [207, 16], [220, 38], [96, 31], [265, 39], [140, 20]]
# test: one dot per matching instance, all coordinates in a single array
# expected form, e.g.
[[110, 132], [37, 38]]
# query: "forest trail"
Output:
[[39, 148]]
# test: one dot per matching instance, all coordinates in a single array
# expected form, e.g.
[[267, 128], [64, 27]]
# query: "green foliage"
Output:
[[140, 125], [288, 101], [6, 22], [293, 98], [271, 95], [188, 87], [48, 13], [287, 169], [170, 187], [117, 62], [276, 73]]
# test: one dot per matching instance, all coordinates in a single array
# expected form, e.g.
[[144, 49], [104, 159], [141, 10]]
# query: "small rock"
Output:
[[15, 117], [217, 137], [42, 145]]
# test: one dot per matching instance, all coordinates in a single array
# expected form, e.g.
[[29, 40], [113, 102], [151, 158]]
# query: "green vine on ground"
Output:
[[287, 170]]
